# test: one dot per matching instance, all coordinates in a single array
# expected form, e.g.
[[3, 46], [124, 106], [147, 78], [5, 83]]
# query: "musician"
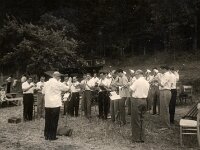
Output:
[[165, 95], [172, 104], [124, 93], [103, 97], [140, 89], [114, 103], [155, 91], [74, 100], [89, 84], [28, 88], [82, 86], [67, 82], [132, 79], [40, 97]]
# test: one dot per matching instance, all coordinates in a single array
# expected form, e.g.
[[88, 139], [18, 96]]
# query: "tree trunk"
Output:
[[195, 33]]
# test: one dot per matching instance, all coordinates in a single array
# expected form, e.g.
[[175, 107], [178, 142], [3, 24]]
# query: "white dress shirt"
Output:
[[39, 86], [140, 88], [96, 79], [105, 82], [26, 85], [123, 89], [52, 90], [75, 87], [173, 79], [166, 81], [177, 76], [89, 84]]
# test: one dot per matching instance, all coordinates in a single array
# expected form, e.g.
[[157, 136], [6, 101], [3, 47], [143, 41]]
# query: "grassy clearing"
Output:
[[97, 134]]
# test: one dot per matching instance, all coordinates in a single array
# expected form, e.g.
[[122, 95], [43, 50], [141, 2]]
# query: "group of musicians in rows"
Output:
[[140, 92]]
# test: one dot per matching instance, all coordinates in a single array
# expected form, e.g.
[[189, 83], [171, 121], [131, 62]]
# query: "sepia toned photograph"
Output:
[[99, 74]]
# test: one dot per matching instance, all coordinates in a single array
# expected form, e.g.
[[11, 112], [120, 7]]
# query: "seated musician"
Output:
[[103, 97]]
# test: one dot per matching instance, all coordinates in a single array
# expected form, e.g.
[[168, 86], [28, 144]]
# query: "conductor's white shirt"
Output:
[[52, 90], [140, 88]]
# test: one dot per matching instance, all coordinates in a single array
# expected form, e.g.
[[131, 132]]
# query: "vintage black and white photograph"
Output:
[[99, 74]]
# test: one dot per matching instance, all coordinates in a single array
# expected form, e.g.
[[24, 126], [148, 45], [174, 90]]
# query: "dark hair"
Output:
[[119, 71], [155, 68], [164, 67], [88, 74], [102, 72]]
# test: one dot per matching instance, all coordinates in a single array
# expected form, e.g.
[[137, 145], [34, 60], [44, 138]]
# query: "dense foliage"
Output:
[[104, 28]]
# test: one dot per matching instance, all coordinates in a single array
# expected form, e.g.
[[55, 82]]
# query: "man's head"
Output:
[[57, 75], [120, 72], [84, 76], [95, 75], [30, 79], [42, 78], [88, 76], [164, 69], [74, 78], [155, 71], [114, 73], [139, 73], [102, 75]]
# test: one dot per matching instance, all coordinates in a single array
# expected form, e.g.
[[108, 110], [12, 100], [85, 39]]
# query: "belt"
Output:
[[165, 90], [140, 98]]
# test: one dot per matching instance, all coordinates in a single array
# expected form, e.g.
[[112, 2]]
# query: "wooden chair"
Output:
[[190, 127], [187, 93]]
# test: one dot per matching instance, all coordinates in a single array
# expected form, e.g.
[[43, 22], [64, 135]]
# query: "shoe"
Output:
[[53, 139], [138, 141]]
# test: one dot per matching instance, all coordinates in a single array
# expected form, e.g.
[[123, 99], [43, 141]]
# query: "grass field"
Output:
[[94, 135]]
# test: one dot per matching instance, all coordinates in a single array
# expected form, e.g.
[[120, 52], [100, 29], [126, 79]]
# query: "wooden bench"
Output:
[[16, 101]]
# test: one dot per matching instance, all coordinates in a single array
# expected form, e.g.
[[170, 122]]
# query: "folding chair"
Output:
[[190, 127], [187, 93]]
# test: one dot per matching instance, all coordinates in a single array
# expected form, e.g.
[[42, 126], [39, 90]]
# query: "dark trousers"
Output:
[[28, 100], [128, 103], [172, 105], [8, 87], [138, 108], [155, 99], [104, 104], [87, 100], [73, 104], [40, 105], [51, 122]]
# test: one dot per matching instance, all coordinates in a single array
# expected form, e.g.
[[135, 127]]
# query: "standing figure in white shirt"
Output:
[[74, 101], [124, 94], [87, 99], [172, 104], [155, 93], [165, 83], [103, 98], [82, 84], [40, 98], [53, 102], [28, 99], [67, 82], [140, 89]]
